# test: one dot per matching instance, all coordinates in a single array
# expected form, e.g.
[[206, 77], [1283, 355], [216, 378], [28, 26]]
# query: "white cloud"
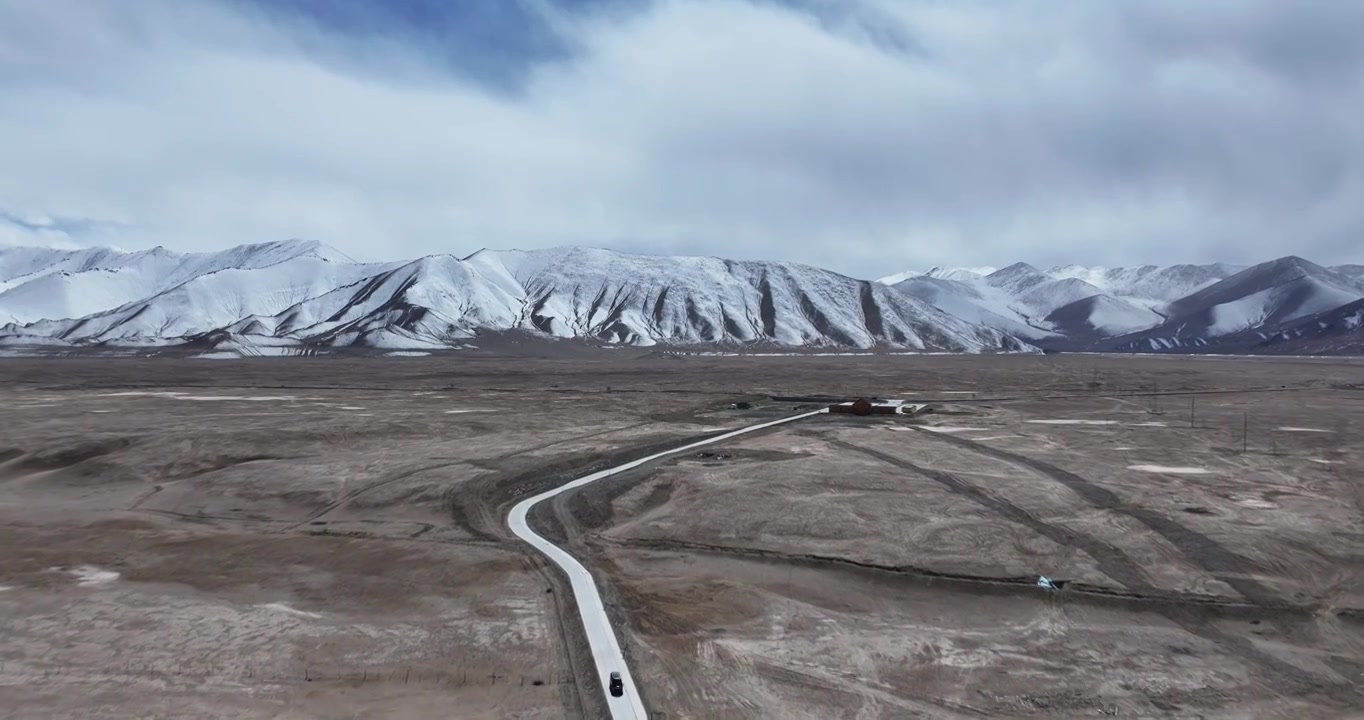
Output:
[[15, 235], [1039, 131]]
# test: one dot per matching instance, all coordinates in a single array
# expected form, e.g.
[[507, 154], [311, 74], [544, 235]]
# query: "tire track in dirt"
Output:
[[1111, 559], [1200, 550], [357, 492], [1139, 601]]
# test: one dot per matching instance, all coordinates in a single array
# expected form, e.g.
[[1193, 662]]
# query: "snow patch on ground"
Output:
[[458, 412], [246, 398], [201, 398], [1073, 422], [281, 607], [1170, 470], [3, 588], [1151, 424], [351, 407], [1302, 429], [950, 429], [407, 353], [1320, 461], [88, 575]]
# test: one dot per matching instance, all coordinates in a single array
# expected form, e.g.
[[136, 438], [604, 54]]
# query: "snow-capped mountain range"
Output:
[[277, 298], [1150, 308], [302, 296]]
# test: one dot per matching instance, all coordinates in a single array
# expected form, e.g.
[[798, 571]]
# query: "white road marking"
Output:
[[606, 652]]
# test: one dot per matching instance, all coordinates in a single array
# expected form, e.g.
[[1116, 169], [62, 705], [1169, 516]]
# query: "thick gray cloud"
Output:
[[863, 135]]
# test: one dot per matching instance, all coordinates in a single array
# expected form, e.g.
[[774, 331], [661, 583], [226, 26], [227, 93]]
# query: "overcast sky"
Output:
[[866, 136]]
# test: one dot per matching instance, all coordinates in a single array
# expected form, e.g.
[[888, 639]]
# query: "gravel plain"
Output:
[[324, 538]]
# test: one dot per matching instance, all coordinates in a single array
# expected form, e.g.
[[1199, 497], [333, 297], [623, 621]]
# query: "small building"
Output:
[[864, 407]]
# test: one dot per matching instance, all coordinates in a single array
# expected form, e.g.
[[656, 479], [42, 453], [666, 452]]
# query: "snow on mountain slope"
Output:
[[1272, 292], [941, 273], [1035, 294], [48, 284], [426, 303], [975, 303], [638, 299], [255, 297], [1139, 308], [68, 295], [17, 263], [278, 298], [961, 273], [1354, 272], [1255, 300], [900, 277], [211, 301], [1045, 297], [1102, 316], [1340, 330], [1016, 279], [1148, 282], [1068, 301]]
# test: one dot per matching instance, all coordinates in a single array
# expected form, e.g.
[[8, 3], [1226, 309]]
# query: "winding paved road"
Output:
[[601, 638]]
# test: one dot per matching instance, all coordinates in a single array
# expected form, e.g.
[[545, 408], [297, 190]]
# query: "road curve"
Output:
[[601, 638]]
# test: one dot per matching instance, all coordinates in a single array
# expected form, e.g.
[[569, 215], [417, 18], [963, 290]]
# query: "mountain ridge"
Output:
[[302, 295], [299, 294]]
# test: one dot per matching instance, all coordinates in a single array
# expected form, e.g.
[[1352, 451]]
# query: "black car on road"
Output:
[[616, 686]]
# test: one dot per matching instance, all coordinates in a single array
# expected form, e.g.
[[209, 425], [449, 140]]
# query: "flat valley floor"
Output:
[[325, 538]]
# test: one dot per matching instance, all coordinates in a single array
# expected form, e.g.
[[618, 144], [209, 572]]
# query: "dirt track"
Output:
[[327, 534]]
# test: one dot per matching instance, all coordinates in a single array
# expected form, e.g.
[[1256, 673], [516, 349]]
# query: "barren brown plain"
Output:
[[325, 538]]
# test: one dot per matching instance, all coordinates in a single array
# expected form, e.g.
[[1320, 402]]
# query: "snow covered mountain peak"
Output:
[[302, 293], [1250, 303], [269, 253], [283, 297], [1017, 269]]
